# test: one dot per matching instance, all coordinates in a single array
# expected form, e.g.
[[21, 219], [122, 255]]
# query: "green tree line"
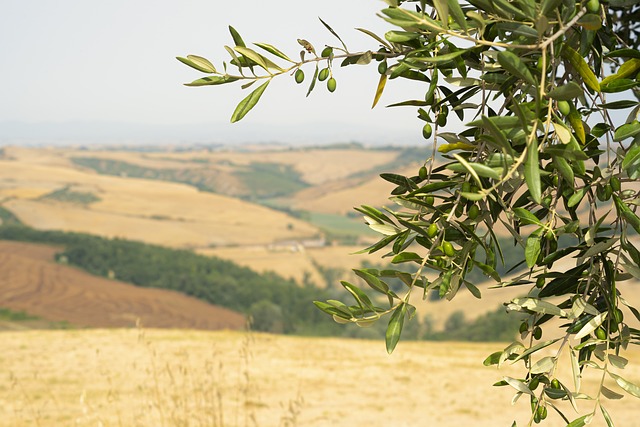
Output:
[[211, 279]]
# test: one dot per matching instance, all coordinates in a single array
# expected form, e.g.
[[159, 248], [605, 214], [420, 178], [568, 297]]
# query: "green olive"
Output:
[[615, 183], [542, 412], [323, 74], [382, 67], [534, 384], [564, 108], [555, 384], [299, 76], [618, 315], [448, 249], [524, 327], [593, 6], [331, 84], [326, 52], [423, 173], [432, 230], [429, 200], [601, 334], [473, 211], [427, 131], [441, 120], [608, 191], [539, 282], [537, 332]]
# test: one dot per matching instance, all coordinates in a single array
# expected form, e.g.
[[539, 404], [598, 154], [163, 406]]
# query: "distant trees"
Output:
[[276, 304], [533, 105]]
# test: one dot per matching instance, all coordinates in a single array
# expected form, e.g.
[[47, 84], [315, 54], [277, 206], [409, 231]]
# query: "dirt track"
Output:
[[31, 281]]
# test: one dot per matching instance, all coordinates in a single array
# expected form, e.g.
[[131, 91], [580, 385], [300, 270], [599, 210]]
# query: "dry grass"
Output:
[[187, 378]]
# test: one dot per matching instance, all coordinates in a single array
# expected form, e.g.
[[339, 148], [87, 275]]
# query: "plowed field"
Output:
[[31, 281]]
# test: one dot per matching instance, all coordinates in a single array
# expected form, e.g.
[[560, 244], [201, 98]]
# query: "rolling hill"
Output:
[[31, 281]]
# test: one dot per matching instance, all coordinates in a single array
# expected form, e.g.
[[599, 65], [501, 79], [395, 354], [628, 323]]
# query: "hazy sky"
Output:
[[77, 70]]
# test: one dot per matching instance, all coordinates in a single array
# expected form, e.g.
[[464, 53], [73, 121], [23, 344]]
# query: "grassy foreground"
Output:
[[187, 378]]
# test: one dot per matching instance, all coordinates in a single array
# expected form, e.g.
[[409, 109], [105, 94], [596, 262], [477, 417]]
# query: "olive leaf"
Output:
[[394, 328], [249, 102]]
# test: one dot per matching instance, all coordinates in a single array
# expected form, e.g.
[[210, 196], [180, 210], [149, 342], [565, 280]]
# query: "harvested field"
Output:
[[31, 281], [180, 378], [151, 211], [341, 197]]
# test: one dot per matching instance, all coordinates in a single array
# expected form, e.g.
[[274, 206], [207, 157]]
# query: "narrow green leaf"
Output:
[[376, 37], [581, 67], [626, 131], [394, 328], [274, 51], [575, 369], [620, 85], [495, 131], [619, 105], [478, 168], [442, 7], [198, 62], [627, 386], [618, 361], [374, 282], [473, 289], [515, 66], [381, 84], [545, 364], [257, 58], [314, 79], [562, 166], [469, 169], [492, 359], [518, 385], [361, 297], [539, 306], [591, 326], [334, 33], [249, 102], [440, 58], [628, 69], [629, 216], [236, 37], [212, 81], [566, 92], [590, 21], [576, 197], [606, 416], [532, 172], [406, 257], [610, 394], [579, 422], [535, 348], [456, 12], [526, 217]]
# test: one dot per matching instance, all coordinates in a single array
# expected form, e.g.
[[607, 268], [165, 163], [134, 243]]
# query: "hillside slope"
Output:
[[31, 281]]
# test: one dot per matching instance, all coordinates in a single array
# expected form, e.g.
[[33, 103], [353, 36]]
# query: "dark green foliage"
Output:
[[267, 180], [15, 316], [69, 196], [8, 217], [211, 279], [120, 168], [266, 317]]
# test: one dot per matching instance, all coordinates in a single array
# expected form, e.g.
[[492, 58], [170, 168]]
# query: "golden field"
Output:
[[186, 378], [181, 216]]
